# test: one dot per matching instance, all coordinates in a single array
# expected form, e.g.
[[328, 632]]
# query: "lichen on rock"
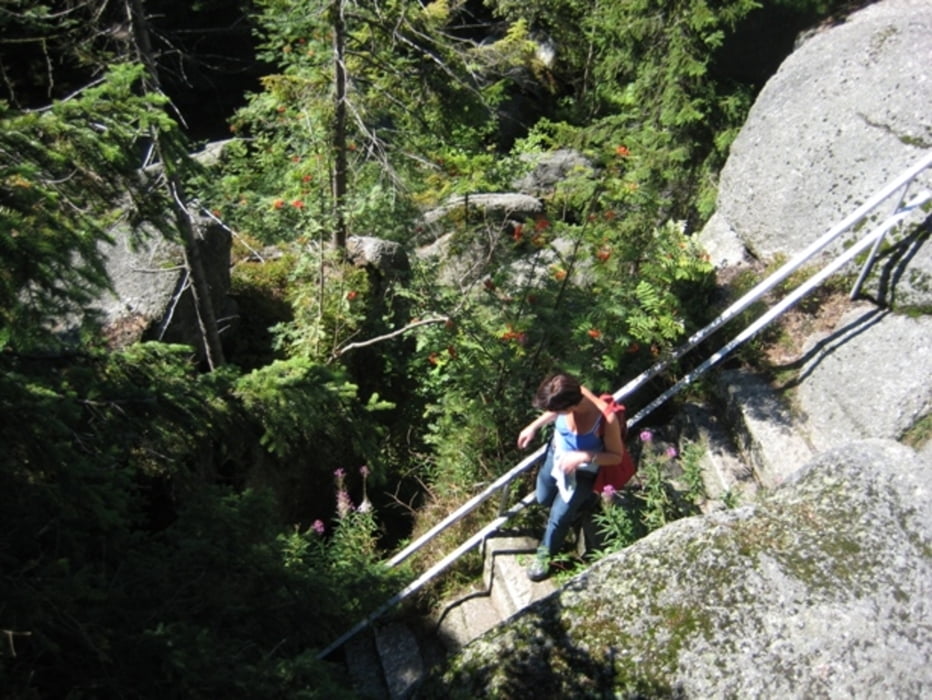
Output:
[[819, 589]]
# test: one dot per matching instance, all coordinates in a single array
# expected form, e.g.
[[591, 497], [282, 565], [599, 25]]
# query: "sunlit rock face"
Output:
[[849, 110], [819, 590]]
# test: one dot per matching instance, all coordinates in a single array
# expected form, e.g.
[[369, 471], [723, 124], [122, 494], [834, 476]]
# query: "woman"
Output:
[[585, 436]]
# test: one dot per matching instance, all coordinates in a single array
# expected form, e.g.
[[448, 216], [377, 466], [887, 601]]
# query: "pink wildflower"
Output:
[[646, 436], [671, 452], [608, 493], [344, 503], [319, 527]]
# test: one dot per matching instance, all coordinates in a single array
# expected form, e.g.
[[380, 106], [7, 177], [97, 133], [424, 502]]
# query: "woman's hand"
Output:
[[571, 461], [526, 435], [530, 430]]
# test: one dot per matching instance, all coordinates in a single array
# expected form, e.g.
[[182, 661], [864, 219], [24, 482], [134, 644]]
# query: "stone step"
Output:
[[725, 473], [769, 439], [386, 662], [389, 661], [466, 618], [505, 590], [750, 440], [365, 667], [505, 574], [401, 659]]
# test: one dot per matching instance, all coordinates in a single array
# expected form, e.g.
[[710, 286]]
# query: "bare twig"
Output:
[[13, 633], [389, 336], [233, 233]]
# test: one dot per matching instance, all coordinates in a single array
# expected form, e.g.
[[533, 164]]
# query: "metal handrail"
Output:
[[899, 184]]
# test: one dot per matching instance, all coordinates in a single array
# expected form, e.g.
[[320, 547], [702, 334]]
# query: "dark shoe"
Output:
[[539, 568]]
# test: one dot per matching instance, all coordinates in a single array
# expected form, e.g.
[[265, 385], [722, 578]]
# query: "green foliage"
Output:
[[730, 499], [919, 433], [617, 527], [130, 560], [328, 302], [276, 182], [639, 75], [691, 461], [660, 496], [589, 297], [292, 400]]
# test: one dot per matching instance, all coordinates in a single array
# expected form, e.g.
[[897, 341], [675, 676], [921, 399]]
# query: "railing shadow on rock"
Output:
[[896, 188]]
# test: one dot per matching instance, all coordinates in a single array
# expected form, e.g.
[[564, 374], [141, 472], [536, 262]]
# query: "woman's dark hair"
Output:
[[558, 392]]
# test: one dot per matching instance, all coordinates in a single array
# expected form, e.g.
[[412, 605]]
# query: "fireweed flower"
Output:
[[646, 436], [366, 504], [344, 503], [319, 527], [608, 493]]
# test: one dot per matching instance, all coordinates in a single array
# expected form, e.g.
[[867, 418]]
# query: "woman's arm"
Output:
[[530, 430], [614, 446], [611, 439]]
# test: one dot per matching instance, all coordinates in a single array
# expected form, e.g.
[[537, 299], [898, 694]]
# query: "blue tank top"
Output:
[[565, 440]]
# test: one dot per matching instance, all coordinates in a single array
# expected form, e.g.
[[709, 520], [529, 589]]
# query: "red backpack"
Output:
[[615, 475]]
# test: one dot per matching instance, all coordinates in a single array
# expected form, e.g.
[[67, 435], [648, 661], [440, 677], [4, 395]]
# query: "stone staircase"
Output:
[[751, 443], [389, 660], [505, 590]]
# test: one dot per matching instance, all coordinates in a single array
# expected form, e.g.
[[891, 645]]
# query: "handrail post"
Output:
[[869, 263]]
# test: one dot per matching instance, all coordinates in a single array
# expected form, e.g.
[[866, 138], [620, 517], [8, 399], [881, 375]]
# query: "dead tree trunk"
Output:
[[339, 127], [184, 221]]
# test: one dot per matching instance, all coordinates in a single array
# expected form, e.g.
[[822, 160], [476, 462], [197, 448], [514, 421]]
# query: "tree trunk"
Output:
[[200, 289], [339, 127]]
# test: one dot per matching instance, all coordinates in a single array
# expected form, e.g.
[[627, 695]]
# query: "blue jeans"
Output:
[[562, 513]]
